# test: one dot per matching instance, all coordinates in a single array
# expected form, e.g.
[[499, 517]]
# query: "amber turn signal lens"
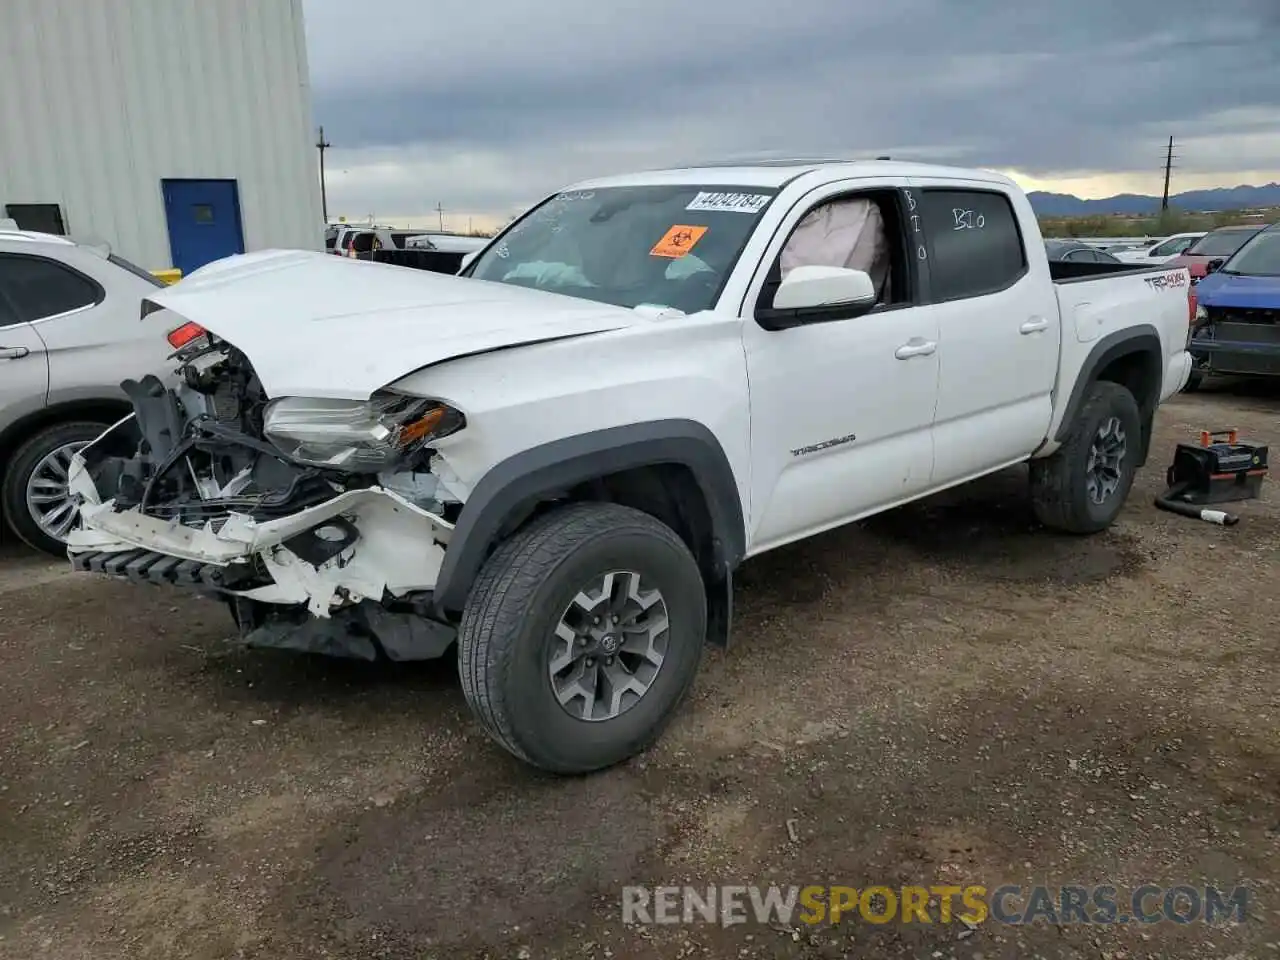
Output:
[[422, 427]]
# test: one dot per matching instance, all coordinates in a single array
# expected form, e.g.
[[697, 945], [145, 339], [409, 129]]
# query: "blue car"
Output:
[[1237, 326]]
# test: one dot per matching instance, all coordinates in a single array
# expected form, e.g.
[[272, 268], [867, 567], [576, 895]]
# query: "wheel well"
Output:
[[670, 493], [667, 492], [1138, 372], [97, 411]]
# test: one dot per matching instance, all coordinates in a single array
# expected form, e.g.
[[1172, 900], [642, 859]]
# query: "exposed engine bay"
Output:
[[321, 523]]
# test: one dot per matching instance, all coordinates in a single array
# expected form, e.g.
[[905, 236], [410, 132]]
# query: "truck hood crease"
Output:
[[324, 326]]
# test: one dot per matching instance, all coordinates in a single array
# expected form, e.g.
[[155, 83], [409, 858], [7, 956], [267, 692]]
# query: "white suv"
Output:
[[69, 333]]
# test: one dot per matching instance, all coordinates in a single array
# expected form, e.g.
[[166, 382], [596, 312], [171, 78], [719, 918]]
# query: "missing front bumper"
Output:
[[393, 548], [147, 566]]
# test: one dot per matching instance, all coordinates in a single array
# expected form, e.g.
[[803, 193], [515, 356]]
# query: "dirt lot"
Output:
[[944, 694]]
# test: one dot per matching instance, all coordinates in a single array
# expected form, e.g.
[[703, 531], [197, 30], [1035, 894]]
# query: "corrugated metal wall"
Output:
[[101, 99]]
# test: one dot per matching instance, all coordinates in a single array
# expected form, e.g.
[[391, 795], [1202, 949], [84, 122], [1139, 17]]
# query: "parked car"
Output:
[[446, 242], [1069, 251], [560, 468], [1237, 325], [349, 239], [1161, 252], [1214, 245], [69, 333]]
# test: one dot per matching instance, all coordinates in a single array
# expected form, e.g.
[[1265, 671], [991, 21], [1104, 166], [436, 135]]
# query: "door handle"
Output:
[[915, 348], [13, 353], [1034, 325]]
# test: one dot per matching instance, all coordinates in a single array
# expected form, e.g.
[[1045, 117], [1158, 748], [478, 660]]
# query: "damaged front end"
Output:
[[320, 522]]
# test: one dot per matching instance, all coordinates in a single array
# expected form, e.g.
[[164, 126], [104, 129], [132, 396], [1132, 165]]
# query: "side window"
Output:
[[857, 231], [975, 245], [7, 317], [40, 288]]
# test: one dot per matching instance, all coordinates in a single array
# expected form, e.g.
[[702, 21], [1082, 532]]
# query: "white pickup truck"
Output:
[[557, 460]]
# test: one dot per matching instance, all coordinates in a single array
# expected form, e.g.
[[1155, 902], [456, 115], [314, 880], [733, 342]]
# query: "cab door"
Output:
[[841, 410], [999, 326]]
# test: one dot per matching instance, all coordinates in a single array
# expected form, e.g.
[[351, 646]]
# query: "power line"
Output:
[[322, 145]]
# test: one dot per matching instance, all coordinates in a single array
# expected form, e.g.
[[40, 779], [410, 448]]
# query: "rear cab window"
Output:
[[975, 244], [38, 288]]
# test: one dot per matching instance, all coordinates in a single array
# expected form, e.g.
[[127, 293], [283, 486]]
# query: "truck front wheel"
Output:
[[581, 636], [1082, 487]]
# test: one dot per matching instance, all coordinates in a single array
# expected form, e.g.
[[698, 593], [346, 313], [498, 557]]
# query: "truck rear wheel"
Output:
[[1082, 487], [581, 636]]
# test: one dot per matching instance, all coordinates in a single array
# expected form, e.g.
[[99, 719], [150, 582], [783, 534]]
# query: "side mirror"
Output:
[[1213, 266], [814, 294], [466, 260]]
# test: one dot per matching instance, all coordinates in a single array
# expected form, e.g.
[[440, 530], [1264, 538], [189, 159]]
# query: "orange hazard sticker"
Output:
[[677, 241]]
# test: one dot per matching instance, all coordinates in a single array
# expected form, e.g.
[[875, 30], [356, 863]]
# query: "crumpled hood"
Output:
[[1227, 290], [317, 325]]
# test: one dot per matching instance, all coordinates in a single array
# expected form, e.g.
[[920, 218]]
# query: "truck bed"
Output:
[[1098, 300], [1068, 272]]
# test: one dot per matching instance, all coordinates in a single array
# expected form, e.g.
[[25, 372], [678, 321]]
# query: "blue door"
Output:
[[204, 221]]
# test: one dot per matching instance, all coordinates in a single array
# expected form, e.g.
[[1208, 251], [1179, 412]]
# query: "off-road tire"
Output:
[[1194, 382], [1058, 483], [13, 485], [515, 605]]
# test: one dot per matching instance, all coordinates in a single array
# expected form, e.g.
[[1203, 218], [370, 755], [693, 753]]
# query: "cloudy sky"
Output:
[[484, 106]]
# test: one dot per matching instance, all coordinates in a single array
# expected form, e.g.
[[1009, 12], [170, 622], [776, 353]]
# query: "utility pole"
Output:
[[440, 211], [322, 145], [1168, 167]]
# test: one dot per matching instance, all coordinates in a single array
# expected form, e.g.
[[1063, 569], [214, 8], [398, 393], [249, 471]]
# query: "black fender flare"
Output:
[[516, 484], [1143, 340]]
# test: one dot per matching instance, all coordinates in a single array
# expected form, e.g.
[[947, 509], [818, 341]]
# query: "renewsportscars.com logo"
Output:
[[941, 903]]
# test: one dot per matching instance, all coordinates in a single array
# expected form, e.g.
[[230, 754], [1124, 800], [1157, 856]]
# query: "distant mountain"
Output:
[[1132, 204]]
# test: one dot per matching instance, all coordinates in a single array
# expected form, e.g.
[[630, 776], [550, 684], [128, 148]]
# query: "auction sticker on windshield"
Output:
[[729, 202], [677, 241]]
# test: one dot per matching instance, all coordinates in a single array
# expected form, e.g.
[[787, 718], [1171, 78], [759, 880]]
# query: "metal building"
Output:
[[178, 131]]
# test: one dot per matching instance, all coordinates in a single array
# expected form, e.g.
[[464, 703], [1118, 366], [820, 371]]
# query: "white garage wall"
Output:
[[102, 99]]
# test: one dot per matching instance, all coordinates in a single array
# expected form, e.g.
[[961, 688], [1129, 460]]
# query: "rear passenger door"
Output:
[[24, 362], [998, 327]]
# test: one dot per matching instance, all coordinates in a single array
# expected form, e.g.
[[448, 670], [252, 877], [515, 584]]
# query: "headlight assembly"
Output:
[[360, 437]]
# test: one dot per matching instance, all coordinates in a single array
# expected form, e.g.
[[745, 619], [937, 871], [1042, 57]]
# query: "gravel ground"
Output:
[[942, 694]]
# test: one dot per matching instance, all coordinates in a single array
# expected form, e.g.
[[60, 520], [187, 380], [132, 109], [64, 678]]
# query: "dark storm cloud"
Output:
[[1096, 85]]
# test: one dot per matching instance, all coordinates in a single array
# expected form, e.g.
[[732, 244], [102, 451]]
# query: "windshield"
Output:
[[666, 246], [1260, 257], [1219, 244]]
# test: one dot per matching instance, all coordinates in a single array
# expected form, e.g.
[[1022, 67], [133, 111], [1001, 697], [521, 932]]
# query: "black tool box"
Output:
[[1220, 469]]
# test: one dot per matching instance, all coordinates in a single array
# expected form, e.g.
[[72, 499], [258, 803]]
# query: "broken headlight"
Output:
[[360, 437]]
